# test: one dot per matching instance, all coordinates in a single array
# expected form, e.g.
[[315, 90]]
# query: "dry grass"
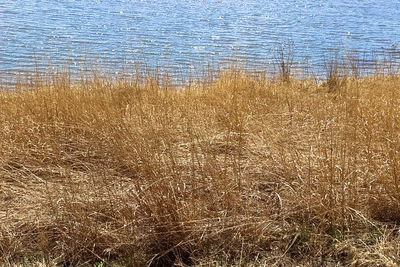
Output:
[[243, 171]]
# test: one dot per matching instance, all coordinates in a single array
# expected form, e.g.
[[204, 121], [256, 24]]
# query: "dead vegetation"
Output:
[[244, 170]]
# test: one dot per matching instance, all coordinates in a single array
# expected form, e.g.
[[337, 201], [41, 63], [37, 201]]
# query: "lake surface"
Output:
[[188, 34]]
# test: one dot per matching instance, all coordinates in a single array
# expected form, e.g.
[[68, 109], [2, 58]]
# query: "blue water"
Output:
[[188, 34]]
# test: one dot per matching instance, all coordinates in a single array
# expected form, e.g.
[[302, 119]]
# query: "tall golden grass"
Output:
[[243, 170]]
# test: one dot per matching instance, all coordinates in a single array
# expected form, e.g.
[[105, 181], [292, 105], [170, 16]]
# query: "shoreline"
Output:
[[349, 64]]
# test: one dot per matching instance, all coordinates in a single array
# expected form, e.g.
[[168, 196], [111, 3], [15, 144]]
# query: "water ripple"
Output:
[[185, 33]]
